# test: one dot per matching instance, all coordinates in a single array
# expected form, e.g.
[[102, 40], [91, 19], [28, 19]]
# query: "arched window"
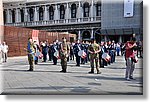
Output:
[[62, 12], [22, 15], [31, 14], [51, 13], [86, 9], [98, 9], [73, 11], [40, 14], [86, 35], [13, 16]]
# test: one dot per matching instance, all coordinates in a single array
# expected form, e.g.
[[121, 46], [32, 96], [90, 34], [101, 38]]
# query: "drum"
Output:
[[106, 57], [56, 54], [82, 54]]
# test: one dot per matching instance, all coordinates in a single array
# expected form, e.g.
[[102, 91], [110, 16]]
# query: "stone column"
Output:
[[79, 35], [10, 17], [56, 15], [105, 37], [92, 33], [120, 38], [67, 13], [91, 10], [45, 13], [25, 14], [7, 16], [35, 14], [79, 12], [16, 15], [19, 15]]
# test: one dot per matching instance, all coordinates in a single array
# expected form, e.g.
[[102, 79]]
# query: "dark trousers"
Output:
[[82, 60], [54, 60], [78, 59], [50, 56], [44, 57], [64, 64], [71, 56]]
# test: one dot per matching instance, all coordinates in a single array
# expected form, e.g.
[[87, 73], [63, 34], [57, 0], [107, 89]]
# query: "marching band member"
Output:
[[55, 53], [77, 48]]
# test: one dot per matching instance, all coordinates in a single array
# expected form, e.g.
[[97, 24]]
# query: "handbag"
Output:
[[135, 59]]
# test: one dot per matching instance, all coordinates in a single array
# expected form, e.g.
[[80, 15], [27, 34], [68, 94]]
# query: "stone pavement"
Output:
[[46, 79]]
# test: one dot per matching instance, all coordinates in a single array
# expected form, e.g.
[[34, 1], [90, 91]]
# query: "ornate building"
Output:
[[86, 18]]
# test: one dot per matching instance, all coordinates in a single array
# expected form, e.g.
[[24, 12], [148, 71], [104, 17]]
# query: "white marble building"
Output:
[[82, 17]]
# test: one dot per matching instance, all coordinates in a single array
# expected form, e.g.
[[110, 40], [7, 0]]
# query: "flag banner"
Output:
[[35, 37]]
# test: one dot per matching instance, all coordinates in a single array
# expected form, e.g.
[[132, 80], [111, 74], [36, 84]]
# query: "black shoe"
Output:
[[63, 71], [91, 72], [30, 70], [131, 78], [78, 65], [54, 64]]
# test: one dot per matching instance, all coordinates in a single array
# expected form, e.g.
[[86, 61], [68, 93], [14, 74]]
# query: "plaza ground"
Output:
[[46, 79]]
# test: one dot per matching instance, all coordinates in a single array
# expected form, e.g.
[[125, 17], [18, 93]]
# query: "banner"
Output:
[[35, 37], [128, 8]]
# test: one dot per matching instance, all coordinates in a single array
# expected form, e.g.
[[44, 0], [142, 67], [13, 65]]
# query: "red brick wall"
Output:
[[17, 38]]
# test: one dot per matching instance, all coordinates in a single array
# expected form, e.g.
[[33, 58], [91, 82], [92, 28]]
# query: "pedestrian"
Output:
[[77, 48], [31, 53], [50, 54], [4, 51], [130, 55], [94, 50], [71, 51], [44, 50], [37, 52], [118, 49], [64, 53]]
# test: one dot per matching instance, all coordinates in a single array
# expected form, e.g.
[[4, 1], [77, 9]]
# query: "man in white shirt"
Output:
[[4, 51]]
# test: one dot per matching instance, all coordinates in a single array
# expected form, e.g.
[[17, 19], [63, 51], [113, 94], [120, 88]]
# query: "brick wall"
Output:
[[17, 38]]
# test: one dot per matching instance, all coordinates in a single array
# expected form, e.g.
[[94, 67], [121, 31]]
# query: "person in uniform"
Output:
[[94, 50], [77, 48], [84, 49], [54, 49], [31, 53], [64, 53]]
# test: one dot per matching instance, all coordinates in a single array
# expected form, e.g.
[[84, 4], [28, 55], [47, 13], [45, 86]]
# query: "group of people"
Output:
[[3, 52], [102, 54]]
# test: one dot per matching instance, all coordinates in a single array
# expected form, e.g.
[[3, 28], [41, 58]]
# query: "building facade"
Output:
[[85, 18]]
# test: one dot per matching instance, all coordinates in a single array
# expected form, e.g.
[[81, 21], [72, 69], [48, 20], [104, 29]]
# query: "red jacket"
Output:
[[129, 51]]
